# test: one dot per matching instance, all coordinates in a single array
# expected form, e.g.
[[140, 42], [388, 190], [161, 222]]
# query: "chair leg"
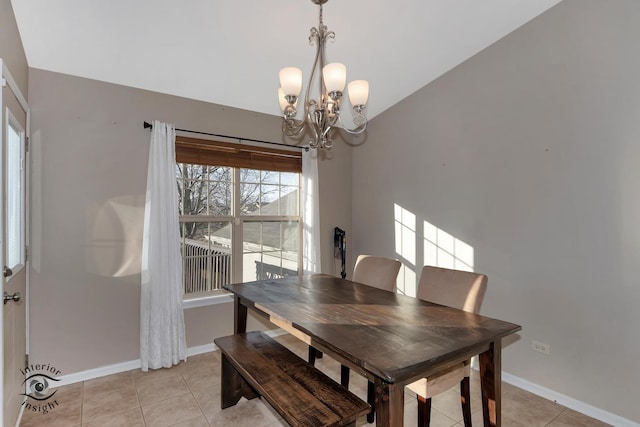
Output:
[[344, 375], [424, 411], [312, 355], [371, 399], [465, 399]]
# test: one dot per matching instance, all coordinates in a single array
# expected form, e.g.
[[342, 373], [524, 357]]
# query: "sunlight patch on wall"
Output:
[[114, 231], [441, 249], [405, 241]]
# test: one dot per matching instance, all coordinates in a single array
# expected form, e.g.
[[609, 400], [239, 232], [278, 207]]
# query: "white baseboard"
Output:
[[102, 371], [569, 402]]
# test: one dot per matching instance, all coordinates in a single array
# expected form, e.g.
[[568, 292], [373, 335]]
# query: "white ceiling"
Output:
[[229, 52]]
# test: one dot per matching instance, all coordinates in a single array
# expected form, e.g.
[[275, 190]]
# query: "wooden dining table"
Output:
[[390, 339]]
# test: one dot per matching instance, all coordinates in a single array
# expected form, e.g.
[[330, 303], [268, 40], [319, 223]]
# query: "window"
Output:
[[15, 187], [269, 205], [236, 223]]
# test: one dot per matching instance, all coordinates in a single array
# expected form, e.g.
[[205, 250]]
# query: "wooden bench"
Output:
[[253, 364]]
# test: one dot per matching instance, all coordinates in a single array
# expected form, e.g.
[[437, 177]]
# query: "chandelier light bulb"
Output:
[[335, 76], [358, 92], [291, 80]]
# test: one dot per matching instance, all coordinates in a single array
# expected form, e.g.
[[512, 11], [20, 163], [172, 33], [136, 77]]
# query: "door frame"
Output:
[[7, 80]]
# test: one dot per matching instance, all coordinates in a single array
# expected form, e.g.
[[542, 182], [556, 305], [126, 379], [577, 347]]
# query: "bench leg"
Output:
[[344, 375], [233, 386]]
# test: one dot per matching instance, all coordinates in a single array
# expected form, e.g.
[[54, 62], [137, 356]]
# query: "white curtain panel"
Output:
[[162, 336], [310, 213]]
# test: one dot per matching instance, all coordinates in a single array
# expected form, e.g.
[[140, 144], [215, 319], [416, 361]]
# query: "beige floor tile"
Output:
[[161, 389], [520, 408], [358, 386], [108, 384], [295, 345], [202, 360], [570, 418], [196, 422], [478, 420], [142, 378], [438, 419], [246, 413], [66, 413], [330, 367], [449, 403], [131, 418], [171, 411], [211, 356], [209, 369], [207, 393], [95, 406], [69, 393]]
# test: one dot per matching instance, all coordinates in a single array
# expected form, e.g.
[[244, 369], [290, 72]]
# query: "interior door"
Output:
[[13, 252]]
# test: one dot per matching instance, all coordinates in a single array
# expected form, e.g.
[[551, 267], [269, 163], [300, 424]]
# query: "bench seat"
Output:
[[253, 364]]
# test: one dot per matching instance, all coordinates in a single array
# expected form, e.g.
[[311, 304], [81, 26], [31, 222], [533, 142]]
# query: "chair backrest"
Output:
[[454, 288], [377, 272]]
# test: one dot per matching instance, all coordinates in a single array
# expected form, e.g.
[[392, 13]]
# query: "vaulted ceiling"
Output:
[[229, 52]]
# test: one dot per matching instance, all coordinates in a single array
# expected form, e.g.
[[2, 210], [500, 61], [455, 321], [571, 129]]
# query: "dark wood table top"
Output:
[[394, 337]]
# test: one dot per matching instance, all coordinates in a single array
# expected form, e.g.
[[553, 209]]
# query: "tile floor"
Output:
[[188, 395]]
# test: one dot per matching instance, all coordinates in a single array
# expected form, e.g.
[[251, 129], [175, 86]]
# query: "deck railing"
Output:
[[205, 268], [208, 267]]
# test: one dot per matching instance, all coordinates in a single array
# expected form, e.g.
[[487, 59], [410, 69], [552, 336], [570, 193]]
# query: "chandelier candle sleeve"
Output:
[[321, 115], [291, 81], [335, 77], [358, 93]]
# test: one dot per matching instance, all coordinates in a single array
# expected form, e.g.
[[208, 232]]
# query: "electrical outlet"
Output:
[[540, 347]]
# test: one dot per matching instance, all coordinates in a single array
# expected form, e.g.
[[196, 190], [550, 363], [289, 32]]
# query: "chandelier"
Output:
[[323, 114]]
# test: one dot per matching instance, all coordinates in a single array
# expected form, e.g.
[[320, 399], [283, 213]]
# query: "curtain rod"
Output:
[[149, 126]]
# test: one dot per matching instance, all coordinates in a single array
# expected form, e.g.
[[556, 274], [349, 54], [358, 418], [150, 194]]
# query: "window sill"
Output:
[[203, 300]]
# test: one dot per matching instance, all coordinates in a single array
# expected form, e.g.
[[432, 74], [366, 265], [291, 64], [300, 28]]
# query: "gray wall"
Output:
[[11, 50], [89, 160], [529, 153]]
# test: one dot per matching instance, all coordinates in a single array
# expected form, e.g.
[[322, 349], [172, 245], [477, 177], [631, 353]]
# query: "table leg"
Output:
[[491, 382], [239, 316], [389, 404]]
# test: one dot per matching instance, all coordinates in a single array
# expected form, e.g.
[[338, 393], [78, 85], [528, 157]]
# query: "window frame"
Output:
[[287, 161], [12, 124]]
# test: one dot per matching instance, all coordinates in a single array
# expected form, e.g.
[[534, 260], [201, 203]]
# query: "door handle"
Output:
[[7, 271], [15, 297]]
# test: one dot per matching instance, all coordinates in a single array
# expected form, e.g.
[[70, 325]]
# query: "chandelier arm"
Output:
[[307, 103], [318, 119], [292, 128], [359, 128]]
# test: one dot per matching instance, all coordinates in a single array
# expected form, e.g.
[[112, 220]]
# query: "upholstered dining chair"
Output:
[[458, 289], [381, 273], [377, 272]]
